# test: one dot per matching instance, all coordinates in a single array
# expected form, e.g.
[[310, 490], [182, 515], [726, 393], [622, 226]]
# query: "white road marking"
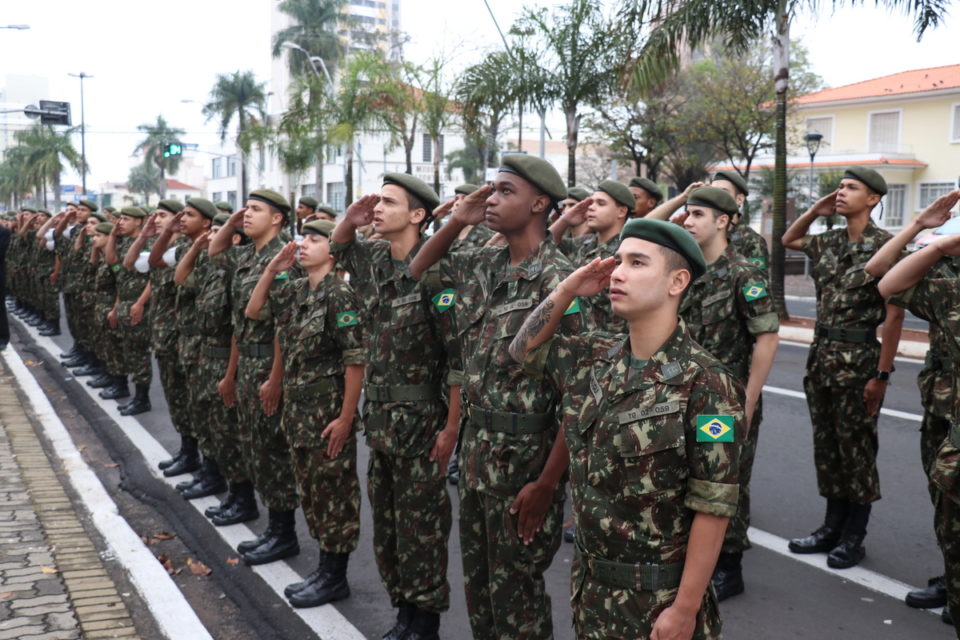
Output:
[[893, 413]]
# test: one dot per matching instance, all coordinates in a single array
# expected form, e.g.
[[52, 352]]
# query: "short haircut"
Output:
[[675, 262], [414, 203]]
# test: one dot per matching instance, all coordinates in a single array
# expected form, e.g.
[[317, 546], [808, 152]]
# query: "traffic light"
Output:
[[172, 149]]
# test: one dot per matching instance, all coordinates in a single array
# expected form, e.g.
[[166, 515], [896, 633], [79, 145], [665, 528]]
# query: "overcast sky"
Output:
[[147, 62]]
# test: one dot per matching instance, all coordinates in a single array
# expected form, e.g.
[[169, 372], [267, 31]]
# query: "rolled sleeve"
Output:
[[714, 498], [353, 357], [765, 323]]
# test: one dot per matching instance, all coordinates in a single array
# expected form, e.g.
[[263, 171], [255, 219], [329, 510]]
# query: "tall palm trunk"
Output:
[[436, 163], [348, 174], [781, 56], [573, 122], [318, 176]]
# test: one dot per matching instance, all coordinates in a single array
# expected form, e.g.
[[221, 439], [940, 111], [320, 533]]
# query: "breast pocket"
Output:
[[651, 453], [717, 307]]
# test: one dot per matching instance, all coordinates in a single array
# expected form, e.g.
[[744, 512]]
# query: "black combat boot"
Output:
[[826, 537], [163, 464], [728, 576], [33, 319], [94, 368], [140, 403], [81, 359], [50, 328], [210, 482], [404, 617], [330, 586], [194, 479], [243, 509], [946, 616], [930, 597], [225, 504], [570, 533], [74, 350], [119, 389], [424, 625], [101, 381], [188, 462], [849, 550], [282, 542], [318, 574]]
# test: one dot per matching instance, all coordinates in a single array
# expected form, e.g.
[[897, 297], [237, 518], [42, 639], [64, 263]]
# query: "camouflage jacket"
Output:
[[847, 297], [410, 341], [249, 266], [105, 285], [213, 277], [651, 442], [164, 310], [478, 236], [85, 272], [69, 264], [130, 282], [751, 246], [493, 300], [581, 250], [725, 308]]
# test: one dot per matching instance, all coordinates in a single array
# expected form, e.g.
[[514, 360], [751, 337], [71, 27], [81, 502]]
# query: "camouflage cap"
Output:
[[416, 186], [307, 201], [89, 204], [272, 198], [647, 185], [868, 177], [618, 192], [327, 209], [204, 206], [735, 178], [537, 172], [99, 216], [466, 189], [319, 227], [171, 205], [223, 205], [669, 235], [714, 198], [220, 219], [104, 227], [578, 193], [133, 212]]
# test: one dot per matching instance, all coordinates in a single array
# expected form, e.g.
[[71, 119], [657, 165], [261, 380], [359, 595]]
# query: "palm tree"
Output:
[[46, 150], [685, 25], [158, 136], [13, 183], [485, 100], [144, 179], [237, 95]]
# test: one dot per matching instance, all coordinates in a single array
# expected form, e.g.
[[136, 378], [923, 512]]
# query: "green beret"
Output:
[[205, 207], [110, 209], [416, 186], [618, 192], [715, 198], [307, 201], [133, 212], [735, 178], [466, 189], [669, 235], [28, 209], [45, 212], [330, 211], [647, 185], [104, 227], [171, 205], [578, 193], [321, 227], [223, 205], [89, 204], [99, 216], [868, 177], [220, 219], [537, 172], [272, 198]]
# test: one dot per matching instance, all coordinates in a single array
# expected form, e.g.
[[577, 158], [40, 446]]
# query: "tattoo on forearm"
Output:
[[533, 325]]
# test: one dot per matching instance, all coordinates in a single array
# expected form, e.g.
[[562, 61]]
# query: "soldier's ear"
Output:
[[679, 281]]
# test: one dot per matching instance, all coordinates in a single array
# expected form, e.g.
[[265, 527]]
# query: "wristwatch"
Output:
[[882, 375]]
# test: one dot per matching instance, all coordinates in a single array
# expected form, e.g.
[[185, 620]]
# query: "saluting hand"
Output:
[[150, 227], [203, 242], [690, 187], [338, 430], [284, 258], [471, 209], [577, 214], [590, 279], [360, 213], [444, 209], [825, 206], [939, 210], [236, 220], [173, 224]]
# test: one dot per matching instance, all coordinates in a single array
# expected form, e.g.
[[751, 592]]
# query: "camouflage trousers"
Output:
[[71, 309], [845, 442], [266, 453], [735, 540], [109, 348], [948, 535], [601, 611], [49, 300], [330, 495], [216, 424], [136, 340], [503, 578], [173, 381], [411, 527], [80, 318]]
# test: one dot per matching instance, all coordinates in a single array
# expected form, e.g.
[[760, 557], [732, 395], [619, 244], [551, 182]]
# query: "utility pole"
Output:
[[83, 131]]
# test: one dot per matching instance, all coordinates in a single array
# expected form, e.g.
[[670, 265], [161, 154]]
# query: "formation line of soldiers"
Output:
[[553, 336]]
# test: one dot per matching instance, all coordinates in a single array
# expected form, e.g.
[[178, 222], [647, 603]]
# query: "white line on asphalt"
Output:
[[170, 609], [806, 345], [325, 620], [893, 413]]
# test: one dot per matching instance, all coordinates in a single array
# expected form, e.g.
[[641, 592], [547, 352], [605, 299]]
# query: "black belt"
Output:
[[320, 389], [937, 363], [401, 392], [255, 350], [189, 331], [508, 421], [216, 352], [626, 575], [845, 334]]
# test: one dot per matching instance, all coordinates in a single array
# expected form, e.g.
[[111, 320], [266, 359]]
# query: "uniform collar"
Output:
[[532, 266], [666, 366]]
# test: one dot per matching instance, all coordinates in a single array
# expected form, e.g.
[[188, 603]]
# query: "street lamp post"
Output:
[[813, 145], [313, 60], [83, 131]]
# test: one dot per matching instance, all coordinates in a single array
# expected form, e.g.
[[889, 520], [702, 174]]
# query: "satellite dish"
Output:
[[31, 111]]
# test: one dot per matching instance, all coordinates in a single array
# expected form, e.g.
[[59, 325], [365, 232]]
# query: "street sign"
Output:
[[54, 112]]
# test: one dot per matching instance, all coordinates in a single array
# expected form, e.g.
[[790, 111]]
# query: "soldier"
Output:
[[107, 337], [254, 379], [574, 195], [323, 212], [847, 370], [411, 429], [320, 336], [513, 460], [647, 194], [665, 209], [728, 313], [476, 235], [82, 281], [65, 232], [743, 239], [935, 379], [653, 424], [48, 267], [5, 235]]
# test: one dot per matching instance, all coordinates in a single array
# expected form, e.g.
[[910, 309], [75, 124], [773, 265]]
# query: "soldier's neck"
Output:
[[856, 224], [604, 236], [402, 243], [716, 248], [649, 333], [265, 239], [316, 275], [525, 241]]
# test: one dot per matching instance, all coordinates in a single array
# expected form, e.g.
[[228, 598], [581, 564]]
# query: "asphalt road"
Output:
[[784, 599]]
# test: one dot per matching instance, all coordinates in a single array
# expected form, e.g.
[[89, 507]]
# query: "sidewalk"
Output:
[[53, 584]]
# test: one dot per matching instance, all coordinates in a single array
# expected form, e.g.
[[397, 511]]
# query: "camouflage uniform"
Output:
[[410, 343], [165, 315], [320, 334], [265, 448], [842, 359], [109, 349], [135, 338], [478, 236], [751, 246], [582, 250], [81, 289], [724, 310], [48, 294], [643, 463], [70, 283], [503, 577]]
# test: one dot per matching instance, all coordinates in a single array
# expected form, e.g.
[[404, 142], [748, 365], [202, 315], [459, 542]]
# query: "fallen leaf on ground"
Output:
[[6, 595], [48, 570], [164, 535], [165, 561], [197, 568], [30, 363], [111, 465], [233, 561]]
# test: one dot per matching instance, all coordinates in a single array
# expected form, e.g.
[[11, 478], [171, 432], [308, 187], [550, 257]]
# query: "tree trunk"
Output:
[[348, 175], [56, 189], [436, 164], [781, 56], [572, 131], [408, 156], [43, 189], [318, 176], [162, 191]]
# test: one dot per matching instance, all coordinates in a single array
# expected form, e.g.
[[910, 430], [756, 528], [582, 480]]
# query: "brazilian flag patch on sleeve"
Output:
[[573, 308], [282, 275], [347, 319], [115, 267], [754, 292], [444, 300], [714, 428], [759, 263]]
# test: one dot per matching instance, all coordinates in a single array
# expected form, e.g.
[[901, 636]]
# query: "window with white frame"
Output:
[[232, 199], [894, 205], [884, 132], [930, 191], [427, 148], [955, 123], [824, 126], [231, 166], [217, 196], [336, 194], [216, 168]]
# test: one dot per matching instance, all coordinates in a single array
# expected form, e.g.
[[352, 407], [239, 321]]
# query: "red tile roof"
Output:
[[916, 81], [176, 185]]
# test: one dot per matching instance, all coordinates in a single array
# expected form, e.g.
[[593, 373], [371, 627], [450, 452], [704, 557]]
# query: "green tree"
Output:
[[45, 153], [314, 29], [159, 135], [145, 179], [237, 97], [302, 132], [436, 111], [485, 99], [399, 103]]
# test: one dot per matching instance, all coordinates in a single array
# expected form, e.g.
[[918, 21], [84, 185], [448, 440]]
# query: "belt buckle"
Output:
[[487, 419], [654, 570], [842, 334], [515, 423]]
